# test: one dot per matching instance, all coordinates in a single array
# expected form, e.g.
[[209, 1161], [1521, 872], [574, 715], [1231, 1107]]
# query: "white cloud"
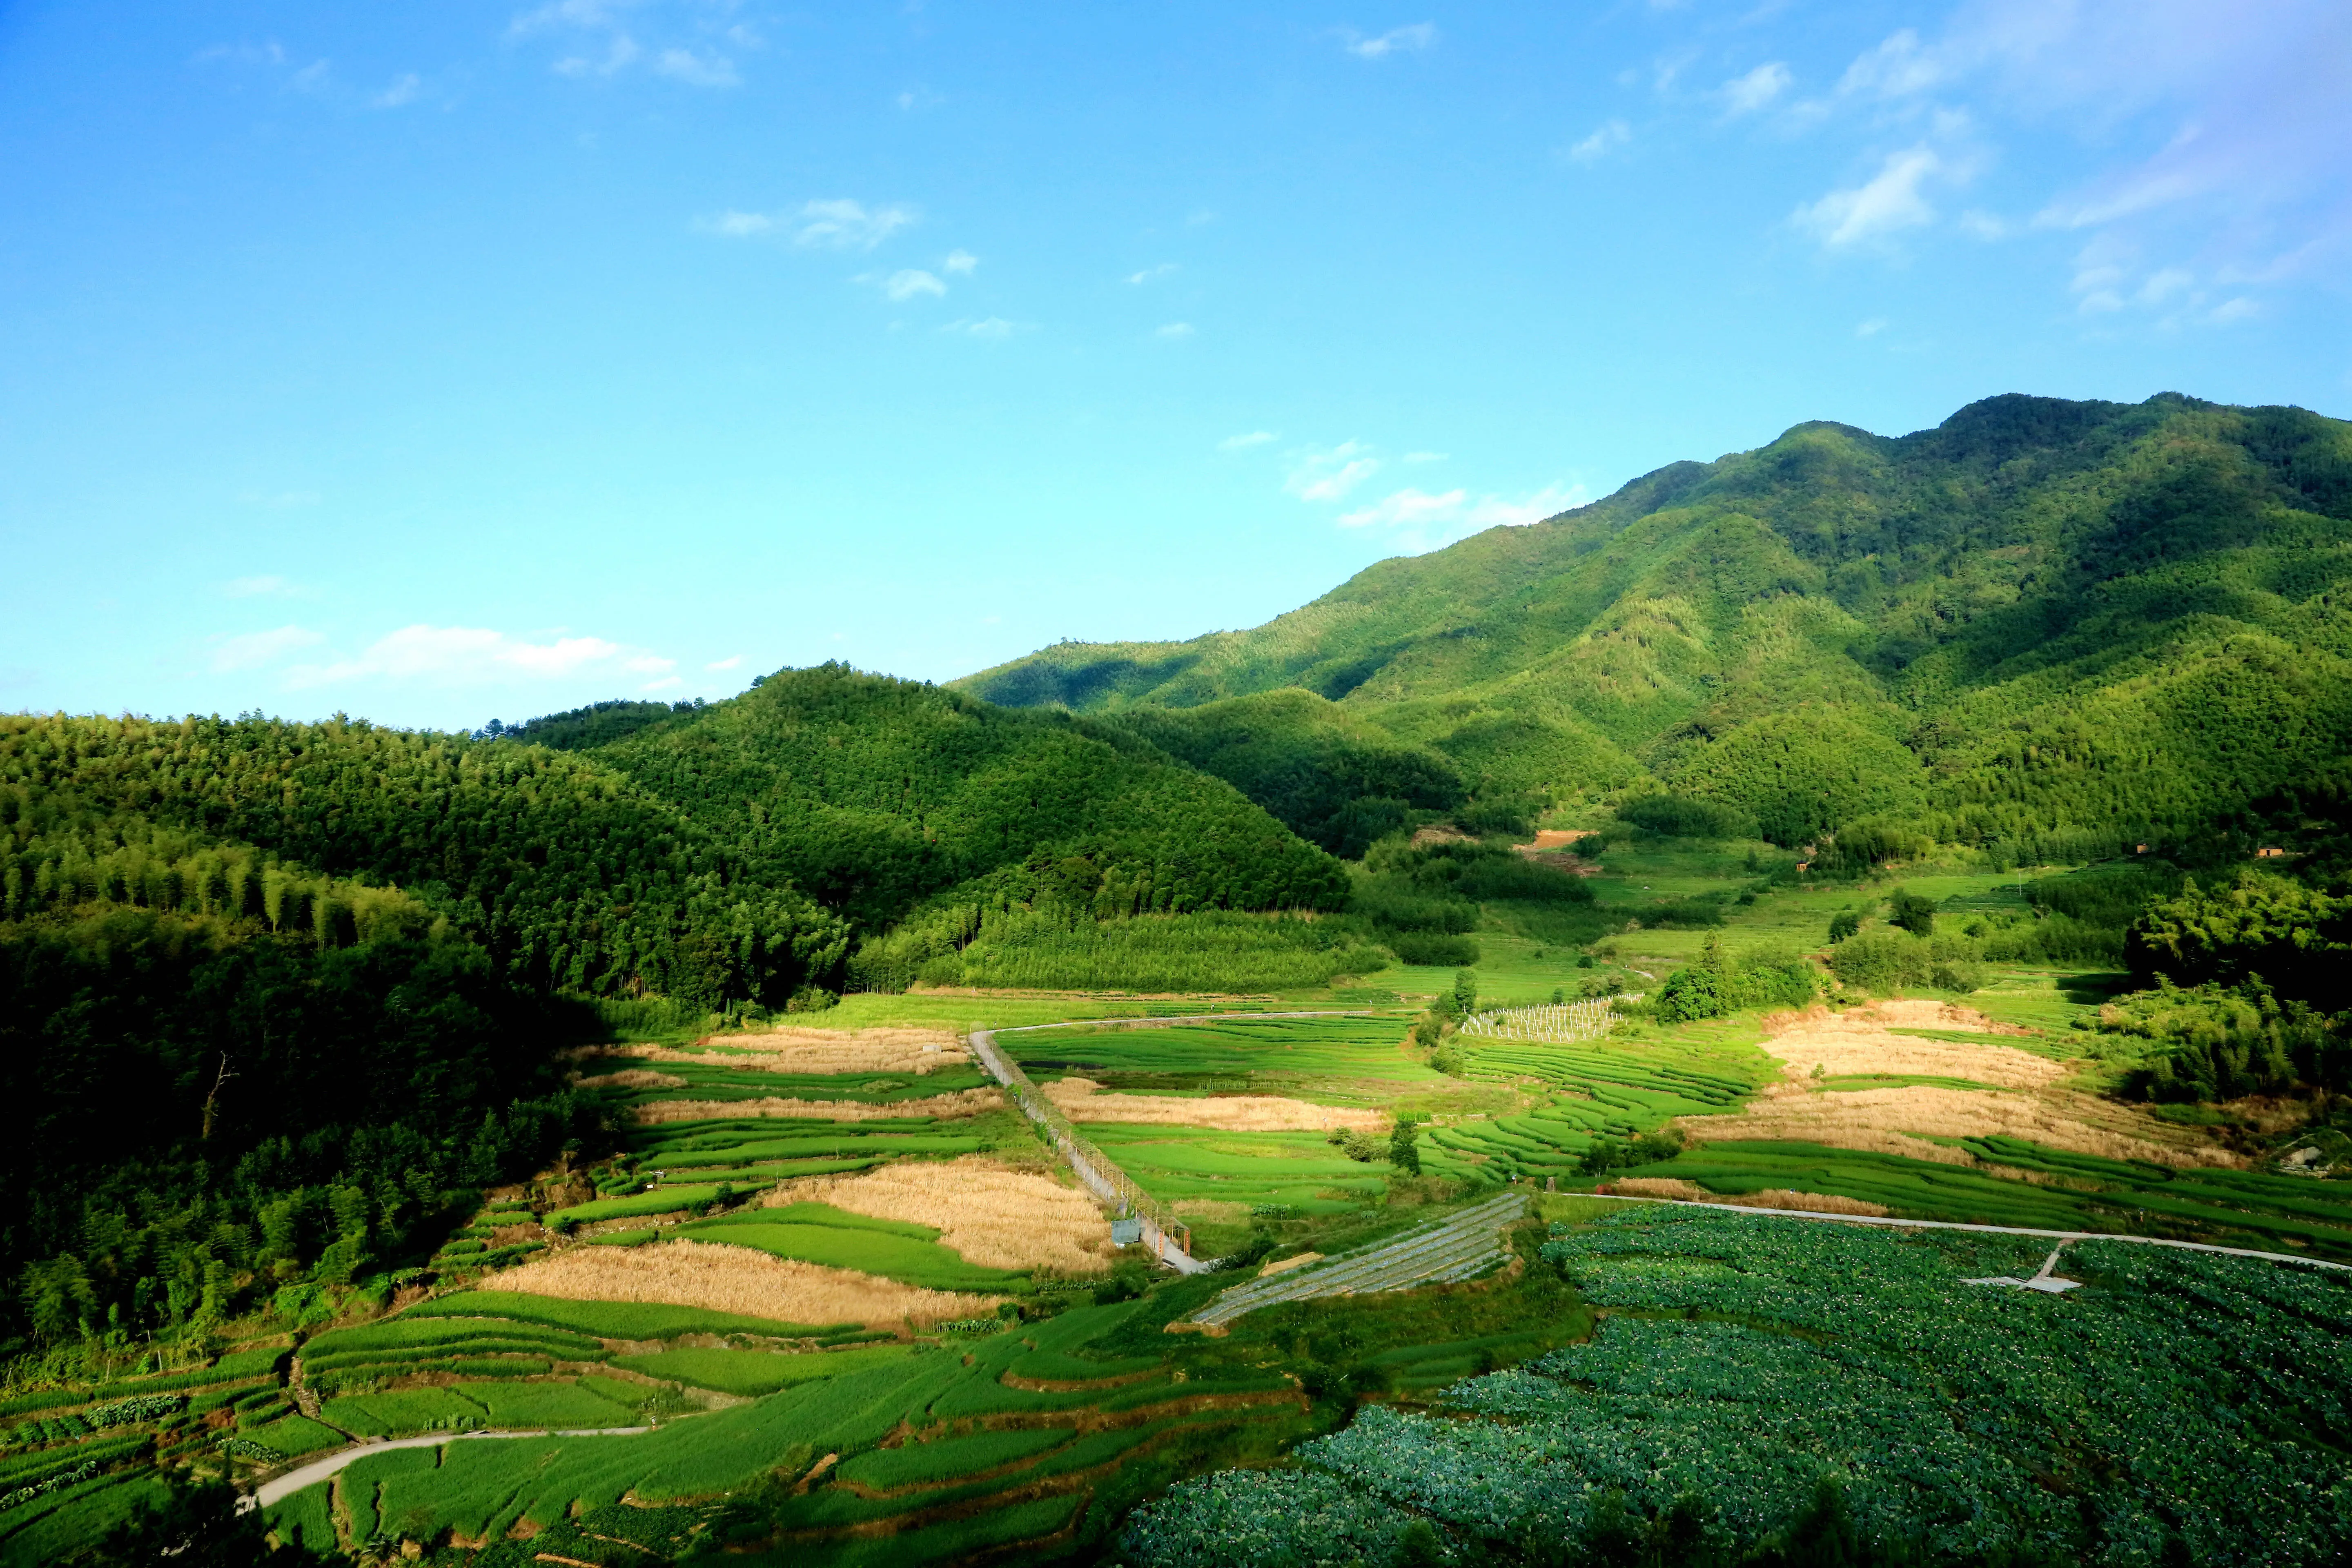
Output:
[[1978, 224], [1419, 36], [1871, 328], [1895, 68], [1747, 94], [1328, 473], [473, 656], [695, 44], [403, 90], [256, 587], [620, 52], [1152, 274], [909, 281], [992, 327], [1422, 521], [697, 69], [1409, 508], [249, 650], [267, 54], [1173, 330], [2244, 106], [734, 661], [1611, 136], [2236, 309], [1252, 439], [2164, 284], [738, 225], [962, 262], [843, 225], [1885, 205], [835, 225]]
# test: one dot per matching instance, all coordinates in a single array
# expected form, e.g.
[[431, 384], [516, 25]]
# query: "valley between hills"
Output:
[[1503, 1011]]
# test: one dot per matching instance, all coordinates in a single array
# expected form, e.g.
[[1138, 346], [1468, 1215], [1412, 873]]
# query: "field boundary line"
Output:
[[1959, 1225], [1100, 1173]]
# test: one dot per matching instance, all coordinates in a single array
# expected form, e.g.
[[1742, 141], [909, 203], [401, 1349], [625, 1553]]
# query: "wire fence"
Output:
[[1561, 1022], [1097, 1169]]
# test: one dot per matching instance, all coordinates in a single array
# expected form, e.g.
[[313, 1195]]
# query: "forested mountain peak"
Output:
[[2039, 613]]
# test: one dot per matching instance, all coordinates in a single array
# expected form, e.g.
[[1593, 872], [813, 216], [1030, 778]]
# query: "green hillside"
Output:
[[2039, 615]]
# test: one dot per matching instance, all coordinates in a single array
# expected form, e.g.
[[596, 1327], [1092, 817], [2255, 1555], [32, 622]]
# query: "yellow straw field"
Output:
[[732, 1279]]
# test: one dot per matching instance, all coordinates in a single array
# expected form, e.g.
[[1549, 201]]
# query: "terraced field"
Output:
[[1575, 1095], [1462, 1245]]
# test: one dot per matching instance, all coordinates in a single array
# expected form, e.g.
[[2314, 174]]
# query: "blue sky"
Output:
[[437, 362]]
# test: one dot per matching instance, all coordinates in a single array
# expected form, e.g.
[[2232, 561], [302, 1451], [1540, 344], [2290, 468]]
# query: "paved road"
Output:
[[292, 1481], [2062, 1236]]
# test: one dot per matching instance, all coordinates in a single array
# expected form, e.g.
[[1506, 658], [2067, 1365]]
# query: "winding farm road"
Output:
[[272, 1492]]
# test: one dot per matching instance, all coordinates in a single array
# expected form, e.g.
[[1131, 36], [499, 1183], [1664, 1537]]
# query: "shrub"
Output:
[[1435, 951], [1686, 816], [1912, 912]]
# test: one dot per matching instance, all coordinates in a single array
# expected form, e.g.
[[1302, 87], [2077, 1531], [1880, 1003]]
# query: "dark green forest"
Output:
[[277, 999]]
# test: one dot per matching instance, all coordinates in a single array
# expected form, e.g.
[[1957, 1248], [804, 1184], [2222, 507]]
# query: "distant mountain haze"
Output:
[[2039, 615]]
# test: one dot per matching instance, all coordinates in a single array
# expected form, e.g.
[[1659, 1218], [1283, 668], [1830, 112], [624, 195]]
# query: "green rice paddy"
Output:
[[752, 1373]]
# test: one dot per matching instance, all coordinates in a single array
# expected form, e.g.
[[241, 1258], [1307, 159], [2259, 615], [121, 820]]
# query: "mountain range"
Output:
[[2039, 618]]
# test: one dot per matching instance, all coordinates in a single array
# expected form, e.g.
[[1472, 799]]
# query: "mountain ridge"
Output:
[[1881, 626]]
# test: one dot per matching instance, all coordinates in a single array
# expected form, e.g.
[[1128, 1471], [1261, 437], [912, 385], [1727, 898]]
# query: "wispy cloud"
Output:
[[259, 587], [1747, 94], [962, 263], [697, 67], [733, 661], [403, 91], [696, 44], [1422, 521], [1871, 328], [1887, 202], [1328, 473], [911, 283], [1396, 40], [995, 328], [1174, 331], [251, 650], [1249, 439], [844, 224], [473, 656], [835, 224], [2244, 106], [1607, 139], [1152, 274]]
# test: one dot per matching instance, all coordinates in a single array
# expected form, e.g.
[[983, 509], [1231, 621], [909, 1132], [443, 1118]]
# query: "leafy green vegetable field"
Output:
[[1745, 1360]]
